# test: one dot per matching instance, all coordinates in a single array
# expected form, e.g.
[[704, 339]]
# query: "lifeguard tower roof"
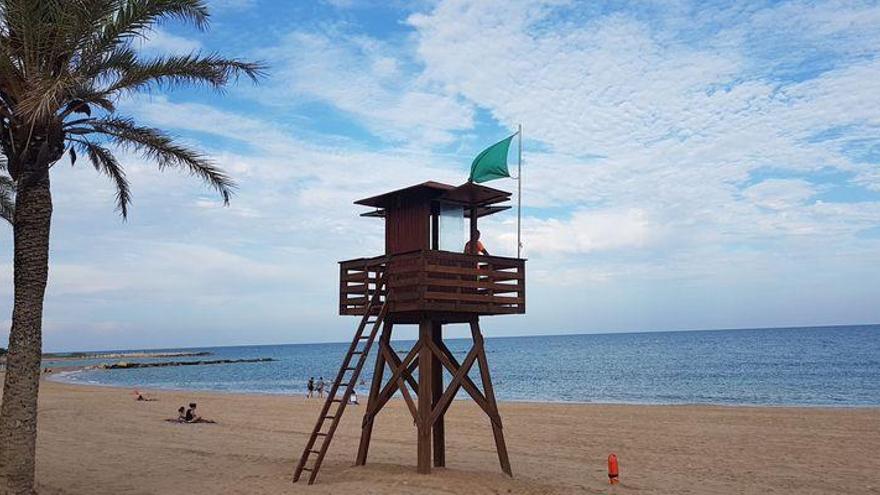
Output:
[[468, 195]]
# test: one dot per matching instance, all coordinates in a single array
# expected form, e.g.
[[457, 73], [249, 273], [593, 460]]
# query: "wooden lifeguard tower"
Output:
[[423, 279]]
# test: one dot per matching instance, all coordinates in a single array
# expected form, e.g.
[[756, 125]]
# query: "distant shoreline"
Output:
[[76, 356]]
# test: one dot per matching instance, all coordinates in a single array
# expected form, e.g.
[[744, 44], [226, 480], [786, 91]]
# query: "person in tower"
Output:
[[481, 249]]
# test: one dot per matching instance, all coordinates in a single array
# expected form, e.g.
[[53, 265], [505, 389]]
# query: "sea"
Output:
[[813, 366]]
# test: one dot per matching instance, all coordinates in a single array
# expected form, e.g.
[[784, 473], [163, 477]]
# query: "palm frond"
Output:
[[212, 70], [133, 18], [45, 98], [161, 148], [104, 161]]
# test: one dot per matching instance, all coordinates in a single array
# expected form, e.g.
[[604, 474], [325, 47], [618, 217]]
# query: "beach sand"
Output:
[[100, 440]]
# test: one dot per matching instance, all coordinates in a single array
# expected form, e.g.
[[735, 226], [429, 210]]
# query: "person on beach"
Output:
[[181, 415], [191, 417], [354, 393], [320, 387], [481, 249], [311, 387], [140, 397]]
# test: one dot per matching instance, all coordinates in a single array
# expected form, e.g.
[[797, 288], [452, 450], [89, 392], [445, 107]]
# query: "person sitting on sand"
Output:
[[181, 416], [192, 417], [481, 249], [191, 413]]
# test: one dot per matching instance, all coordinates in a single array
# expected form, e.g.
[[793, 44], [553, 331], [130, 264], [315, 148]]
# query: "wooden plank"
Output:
[[353, 288], [476, 272], [473, 284], [484, 298], [455, 270], [487, 309]]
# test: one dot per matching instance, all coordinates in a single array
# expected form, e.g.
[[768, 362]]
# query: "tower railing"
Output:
[[430, 280]]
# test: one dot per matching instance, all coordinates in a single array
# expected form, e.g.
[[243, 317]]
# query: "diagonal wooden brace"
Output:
[[454, 384]]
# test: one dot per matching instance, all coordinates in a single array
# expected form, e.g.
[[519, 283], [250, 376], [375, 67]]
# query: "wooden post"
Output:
[[437, 384], [426, 359], [490, 396], [372, 402], [473, 243], [435, 230]]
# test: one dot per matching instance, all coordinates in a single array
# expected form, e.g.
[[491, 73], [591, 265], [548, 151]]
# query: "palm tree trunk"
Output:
[[18, 415]]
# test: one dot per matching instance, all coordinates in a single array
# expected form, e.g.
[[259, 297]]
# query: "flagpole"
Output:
[[519, 197]]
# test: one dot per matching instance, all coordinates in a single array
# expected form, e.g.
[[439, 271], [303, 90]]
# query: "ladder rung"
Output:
[[329, 417], [307, 469], [336, 400], [321, 434], [314, 451], [362, 337]]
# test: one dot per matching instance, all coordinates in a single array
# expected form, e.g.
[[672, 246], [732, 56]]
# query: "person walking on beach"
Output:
[[320, 387], [311, 387], [353, 398]]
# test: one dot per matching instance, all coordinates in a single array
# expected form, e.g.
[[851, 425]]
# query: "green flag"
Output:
[[492, 162]]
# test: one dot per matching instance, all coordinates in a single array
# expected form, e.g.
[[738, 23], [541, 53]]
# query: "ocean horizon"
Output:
[[791, 366]]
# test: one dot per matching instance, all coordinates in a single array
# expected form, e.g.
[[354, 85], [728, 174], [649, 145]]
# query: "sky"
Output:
[[687, 165]]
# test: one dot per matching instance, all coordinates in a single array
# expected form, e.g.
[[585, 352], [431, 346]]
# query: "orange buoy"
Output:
[[613, 470]]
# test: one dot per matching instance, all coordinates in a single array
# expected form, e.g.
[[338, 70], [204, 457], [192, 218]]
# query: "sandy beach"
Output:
[[100, 440]]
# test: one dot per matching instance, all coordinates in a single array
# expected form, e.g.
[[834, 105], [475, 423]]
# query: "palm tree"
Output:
[[64, 64]]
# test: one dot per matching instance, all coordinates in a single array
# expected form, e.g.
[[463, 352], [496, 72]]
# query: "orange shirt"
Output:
[[480, 248]]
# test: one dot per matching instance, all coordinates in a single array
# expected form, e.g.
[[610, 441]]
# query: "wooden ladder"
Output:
[[374, 315]]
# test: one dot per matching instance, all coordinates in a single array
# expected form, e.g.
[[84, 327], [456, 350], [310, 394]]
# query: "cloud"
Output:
[[161, 42], [369, 80], [232, 5], [588, 231], [780, 194]]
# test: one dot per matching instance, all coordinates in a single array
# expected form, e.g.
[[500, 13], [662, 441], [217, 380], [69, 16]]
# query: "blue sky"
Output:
[[688, 165]]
